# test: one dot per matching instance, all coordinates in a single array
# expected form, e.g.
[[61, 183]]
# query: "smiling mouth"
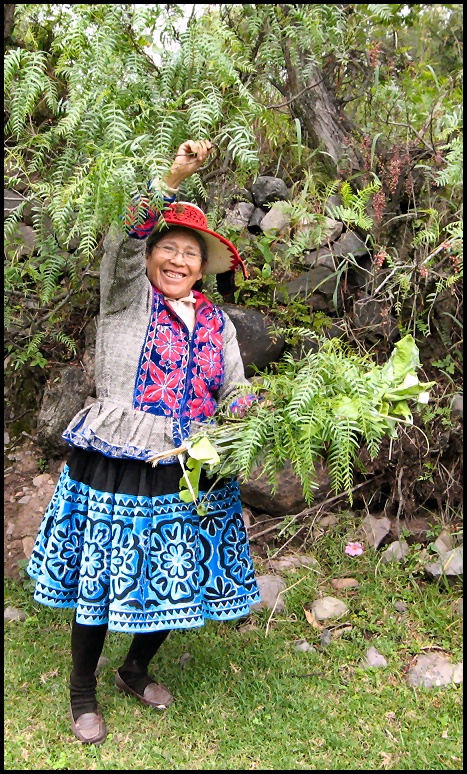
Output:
[[174, 275]]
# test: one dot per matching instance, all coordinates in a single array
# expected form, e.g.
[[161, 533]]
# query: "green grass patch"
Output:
[[241, 701]]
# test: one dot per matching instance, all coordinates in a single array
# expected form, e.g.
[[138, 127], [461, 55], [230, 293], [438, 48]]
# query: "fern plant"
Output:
[[353, 209]]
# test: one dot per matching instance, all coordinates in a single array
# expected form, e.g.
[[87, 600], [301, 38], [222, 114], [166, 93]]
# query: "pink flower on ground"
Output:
[[354, 549]]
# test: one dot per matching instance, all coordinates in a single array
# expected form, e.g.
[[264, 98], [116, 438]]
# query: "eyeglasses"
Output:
[[170, 252]]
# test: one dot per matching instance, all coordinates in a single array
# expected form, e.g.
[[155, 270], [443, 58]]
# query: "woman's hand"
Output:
[[190, 157]]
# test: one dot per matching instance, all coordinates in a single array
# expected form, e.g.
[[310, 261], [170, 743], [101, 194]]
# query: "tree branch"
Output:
[[296, 96]]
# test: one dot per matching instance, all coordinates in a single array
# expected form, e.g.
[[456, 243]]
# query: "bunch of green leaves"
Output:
[[324, 406]]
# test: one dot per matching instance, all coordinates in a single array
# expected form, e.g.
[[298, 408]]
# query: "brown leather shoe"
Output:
[[89, 728], [155, 694]]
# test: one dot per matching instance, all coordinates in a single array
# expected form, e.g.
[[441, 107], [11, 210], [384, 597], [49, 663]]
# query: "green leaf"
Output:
[[185, 494], [401, 408], [403, 360], [203, 450]]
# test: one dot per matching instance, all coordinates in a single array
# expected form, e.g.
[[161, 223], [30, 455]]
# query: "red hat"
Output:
[[222, 255]]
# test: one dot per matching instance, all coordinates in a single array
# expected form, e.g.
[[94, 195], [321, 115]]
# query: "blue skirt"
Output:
[[118, 544]]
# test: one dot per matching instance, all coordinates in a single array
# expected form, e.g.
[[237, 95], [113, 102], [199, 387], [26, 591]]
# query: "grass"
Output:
[[242, 701]]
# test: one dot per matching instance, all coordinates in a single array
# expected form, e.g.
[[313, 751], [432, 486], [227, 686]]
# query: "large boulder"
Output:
[[267, 190], [257, 346], [288, 499], [64, 396]]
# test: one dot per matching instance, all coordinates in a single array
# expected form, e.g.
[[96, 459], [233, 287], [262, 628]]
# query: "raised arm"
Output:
[[122, 274]]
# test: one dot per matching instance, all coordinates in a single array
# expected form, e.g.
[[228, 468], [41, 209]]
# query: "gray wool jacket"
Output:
[[112, 425]]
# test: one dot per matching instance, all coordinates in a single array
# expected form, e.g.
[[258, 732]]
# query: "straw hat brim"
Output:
[[222, 255]]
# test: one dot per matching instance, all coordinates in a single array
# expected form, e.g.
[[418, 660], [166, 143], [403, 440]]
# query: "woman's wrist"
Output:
[[172, 180]]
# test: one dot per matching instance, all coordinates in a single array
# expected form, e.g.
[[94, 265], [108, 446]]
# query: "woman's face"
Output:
[[174, 264]]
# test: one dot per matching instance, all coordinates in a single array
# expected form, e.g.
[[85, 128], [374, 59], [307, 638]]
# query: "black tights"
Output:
[[86, 647]]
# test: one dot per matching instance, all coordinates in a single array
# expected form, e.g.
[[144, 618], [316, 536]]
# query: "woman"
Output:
[[116, 542]]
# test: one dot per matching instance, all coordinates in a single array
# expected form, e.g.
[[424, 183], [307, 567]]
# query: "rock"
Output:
[[41, 479], [345, 583], [22, 242], [287, 562], [434, 669], [318, 284], [418, 528], [349, 243], [319, 258], [370, 315], [69, 245], [288, 499], [397, 551], [239, 216], [28, 544], [457, 407], [373, 659], [64, 396], [6, 438], [443, 542], [331, 229], [276, 220], [375, 529], [328, 607], [266, 190], [451, 564], [303, 645], [270, 586], [13, 614], [310, 257], [400, 606], [254, 224], [325, 638], [24, 500], [257, 346], [247, 516]]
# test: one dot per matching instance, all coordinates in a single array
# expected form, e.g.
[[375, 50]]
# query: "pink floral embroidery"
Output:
[[168, 346], [209, 361], [203, 404], [164, 387], [210, 331]]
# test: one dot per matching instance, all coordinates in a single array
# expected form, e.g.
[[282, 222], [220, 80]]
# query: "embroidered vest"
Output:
[[177, 376]]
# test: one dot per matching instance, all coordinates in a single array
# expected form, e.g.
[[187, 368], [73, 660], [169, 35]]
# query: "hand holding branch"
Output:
[[189, 158]]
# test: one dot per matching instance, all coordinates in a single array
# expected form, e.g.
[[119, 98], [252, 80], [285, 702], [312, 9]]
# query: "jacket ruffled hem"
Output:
[[119, 431]]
